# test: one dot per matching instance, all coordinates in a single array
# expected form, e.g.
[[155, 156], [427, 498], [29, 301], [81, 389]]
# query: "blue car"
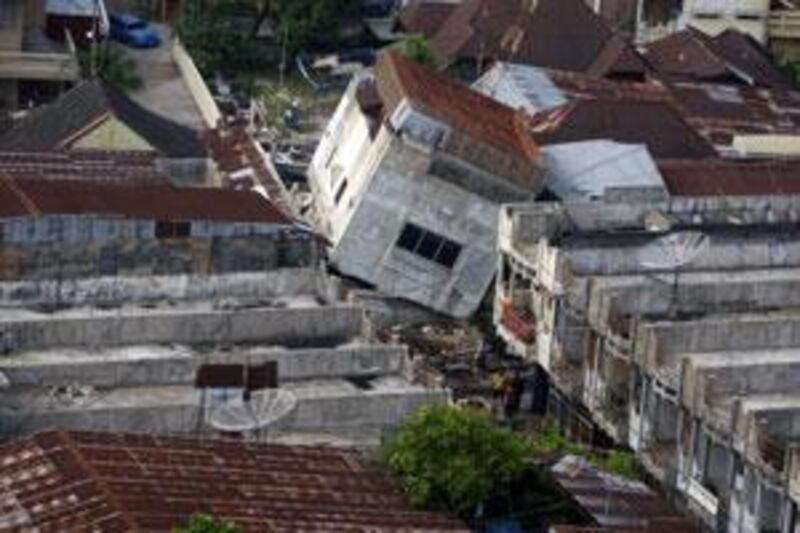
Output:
[[133, 31]]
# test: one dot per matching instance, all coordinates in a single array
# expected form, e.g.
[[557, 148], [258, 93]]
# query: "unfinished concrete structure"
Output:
[[408, 180], [672, 327], [125, 355]]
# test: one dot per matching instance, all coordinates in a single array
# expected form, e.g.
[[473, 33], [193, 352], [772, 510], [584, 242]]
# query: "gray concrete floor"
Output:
[[163, 91]]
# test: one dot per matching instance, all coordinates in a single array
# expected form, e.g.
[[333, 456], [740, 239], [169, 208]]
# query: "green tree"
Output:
[[202, 523], [112, 66], [416, 47], [453, 459]]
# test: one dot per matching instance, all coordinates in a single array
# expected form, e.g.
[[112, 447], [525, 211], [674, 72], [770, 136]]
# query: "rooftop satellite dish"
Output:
[[262, 409], [674, 250]]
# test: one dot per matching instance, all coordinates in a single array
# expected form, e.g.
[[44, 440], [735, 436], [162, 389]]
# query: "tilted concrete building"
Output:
[[672, 327], [408, 180]]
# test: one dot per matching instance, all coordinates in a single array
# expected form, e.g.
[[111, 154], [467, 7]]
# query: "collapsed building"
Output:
[[408, 180], [670, 325]]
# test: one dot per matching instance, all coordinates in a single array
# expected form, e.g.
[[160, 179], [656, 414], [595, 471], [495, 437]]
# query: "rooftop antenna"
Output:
[[673, 252]]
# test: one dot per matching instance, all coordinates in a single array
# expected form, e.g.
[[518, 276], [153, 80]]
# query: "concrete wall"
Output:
[[314, 326], [197, 87], [143, 366], [115, 291], [659, 345], [322, 408], [124, 256], [112, 135]]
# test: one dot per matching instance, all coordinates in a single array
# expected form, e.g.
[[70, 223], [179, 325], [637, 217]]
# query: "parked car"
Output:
[[133, 31]]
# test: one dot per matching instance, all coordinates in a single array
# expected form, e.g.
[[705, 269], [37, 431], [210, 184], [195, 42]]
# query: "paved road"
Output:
[[163, 91]]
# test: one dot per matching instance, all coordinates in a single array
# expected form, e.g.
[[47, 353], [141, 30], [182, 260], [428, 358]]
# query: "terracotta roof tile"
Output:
[[70, 481]]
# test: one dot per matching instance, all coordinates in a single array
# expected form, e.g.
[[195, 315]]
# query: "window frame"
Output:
[[438, 248]]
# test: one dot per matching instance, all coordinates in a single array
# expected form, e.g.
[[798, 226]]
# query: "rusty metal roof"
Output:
[[656, 124], [91, 481], [103, 166], [731, 56], [615, 503], [148, 202], [563, 34], [236, 153], [718, 177], [458, 106]]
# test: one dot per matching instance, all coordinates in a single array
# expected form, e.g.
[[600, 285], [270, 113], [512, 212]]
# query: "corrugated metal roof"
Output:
[[588, 169], [564, 34], [730, 178], [59, 124], [148, 202], [76, 481], [658, 125], [616, 503], [113, 167]]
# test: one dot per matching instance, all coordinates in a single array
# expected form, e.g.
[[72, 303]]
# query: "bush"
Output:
[[453, 459], [202, 523]]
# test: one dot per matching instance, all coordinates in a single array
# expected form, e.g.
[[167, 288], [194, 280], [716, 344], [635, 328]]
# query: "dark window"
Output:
[[165, 230], [340, 192], [182, 229], [448, 254], [429, 245], [410, 237]]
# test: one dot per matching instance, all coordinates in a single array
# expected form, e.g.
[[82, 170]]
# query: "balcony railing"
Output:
[[519, 324], [784, 24], [773, 451]]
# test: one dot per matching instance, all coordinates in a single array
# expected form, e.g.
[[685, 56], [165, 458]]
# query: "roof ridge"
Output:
[[24, 199]]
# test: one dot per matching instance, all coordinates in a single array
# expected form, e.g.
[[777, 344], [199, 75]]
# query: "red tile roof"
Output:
[[112, 167], [87, 481], [731, 178], [468, 111], [149, 202]]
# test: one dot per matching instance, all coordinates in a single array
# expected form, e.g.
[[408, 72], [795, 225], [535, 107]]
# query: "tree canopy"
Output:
[[203, 523], [451, 458]]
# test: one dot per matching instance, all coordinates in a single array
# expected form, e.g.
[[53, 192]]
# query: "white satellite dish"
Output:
[[264, 408], [674, 250]]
